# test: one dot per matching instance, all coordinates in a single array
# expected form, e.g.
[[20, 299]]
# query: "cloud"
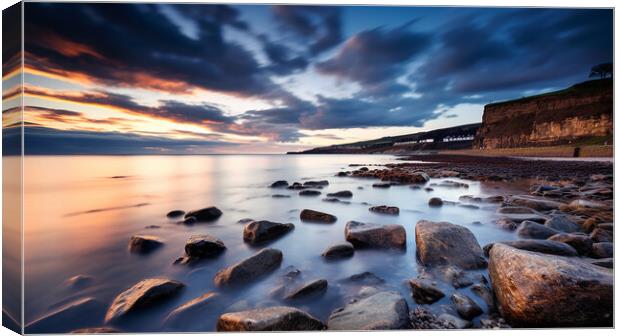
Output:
[[320, 27]]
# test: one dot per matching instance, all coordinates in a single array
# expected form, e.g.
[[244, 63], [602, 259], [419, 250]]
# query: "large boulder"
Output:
[[264, 262], [80, 313], [261, 231], [203, 246], [443, 243], [539, 290], [536, 203], [562, 223], [375, 235], [379, 311], [187, 312], [533, 230], [269, 319], [580, 242], [538, 245], [205, 215], [142, 295], [317, 216], [144, 243]]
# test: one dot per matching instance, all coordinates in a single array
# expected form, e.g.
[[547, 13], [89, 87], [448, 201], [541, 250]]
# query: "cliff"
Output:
[[582, 113]]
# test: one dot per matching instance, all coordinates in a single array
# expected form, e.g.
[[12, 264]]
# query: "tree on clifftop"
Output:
[[602, 70]]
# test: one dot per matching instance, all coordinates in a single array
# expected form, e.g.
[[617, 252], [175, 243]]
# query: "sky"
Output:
[[200, 79]]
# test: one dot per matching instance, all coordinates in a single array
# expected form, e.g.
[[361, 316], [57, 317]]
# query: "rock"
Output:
[[280, 196], [312, 289], [321, 183], [279, 184], [466, 206], [465, 306], [538, 245], [79, 281], [532, 230], [342, 174], [384, 209], [443, 243], [203, 246], [381, 185], [506, 224], [582, 203], [309, 193], [244, 220], [486, 294], [296, 186], [205, 215], [335, 200], [493, 322], [428, 189], [365, 278], [96, 330], [76, 314], [599, 235], [175, 213], [602, 250], [185, 313], [375, 235], [278, 318], [562, 223], [264, 262], [261, 231], [454, 276], [422, 318], [189, 221], [539, 290], [606, 226], [489, 199], [339, 251], [605, 262], [152, 227], [519, 214], [316, 216], [142, 295], [533, 202], [435, 202], [144, 243], [341, 194], [423, 291], [453, 322], [580, 242], [452, 184], [380, 311]]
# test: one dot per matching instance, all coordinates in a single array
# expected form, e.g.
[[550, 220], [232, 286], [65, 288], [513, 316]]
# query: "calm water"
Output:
[[78, 220]]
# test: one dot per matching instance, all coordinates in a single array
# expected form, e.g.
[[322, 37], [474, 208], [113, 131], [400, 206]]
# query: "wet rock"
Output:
[[507, 224], [144, 243], [339, 251], [466, 206], [316, 216], [280, 196], [580, 242], [384, 209], [309, 193], [296, 186], [602, 250], [335, 200], [175, 213], [489, 199], [454, 276], [76, 314], [519, 214], [599, 235], [142, 295], [443, 243], [452, 184], [203, 246], [538, 245], [380, 311], [187, 312], [493, 322], [279, 184], [262, 231], [435, 202], [540, 290], [341, 194], [605, 262], [96, 330], [205, 215], [79, 281], [189, 221], [486, 294], [342, 174], [245, 220], [423, 291], [453, 322], [533, 202], [381, 185], [322, 183], [365, 278], [375, 235], [562, 223], [582, 203], [465, 306], [312, 289], [532, 230], [428, 189], [422, 318], [264, 262], [278, 318]]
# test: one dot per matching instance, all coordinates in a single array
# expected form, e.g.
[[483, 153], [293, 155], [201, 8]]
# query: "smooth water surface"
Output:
[[80, 212]]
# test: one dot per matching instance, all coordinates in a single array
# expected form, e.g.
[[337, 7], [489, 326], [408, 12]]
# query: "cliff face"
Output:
[[580, 112]]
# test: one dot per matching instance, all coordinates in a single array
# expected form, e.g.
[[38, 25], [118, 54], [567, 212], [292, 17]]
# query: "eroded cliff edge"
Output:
[[581, 114]]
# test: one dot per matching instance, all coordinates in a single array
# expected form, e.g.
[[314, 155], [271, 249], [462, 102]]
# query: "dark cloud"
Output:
[[282, 60], [319, 26], [48, 141]]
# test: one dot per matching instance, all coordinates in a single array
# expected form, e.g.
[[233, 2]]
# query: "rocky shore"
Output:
[[558, 273]]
